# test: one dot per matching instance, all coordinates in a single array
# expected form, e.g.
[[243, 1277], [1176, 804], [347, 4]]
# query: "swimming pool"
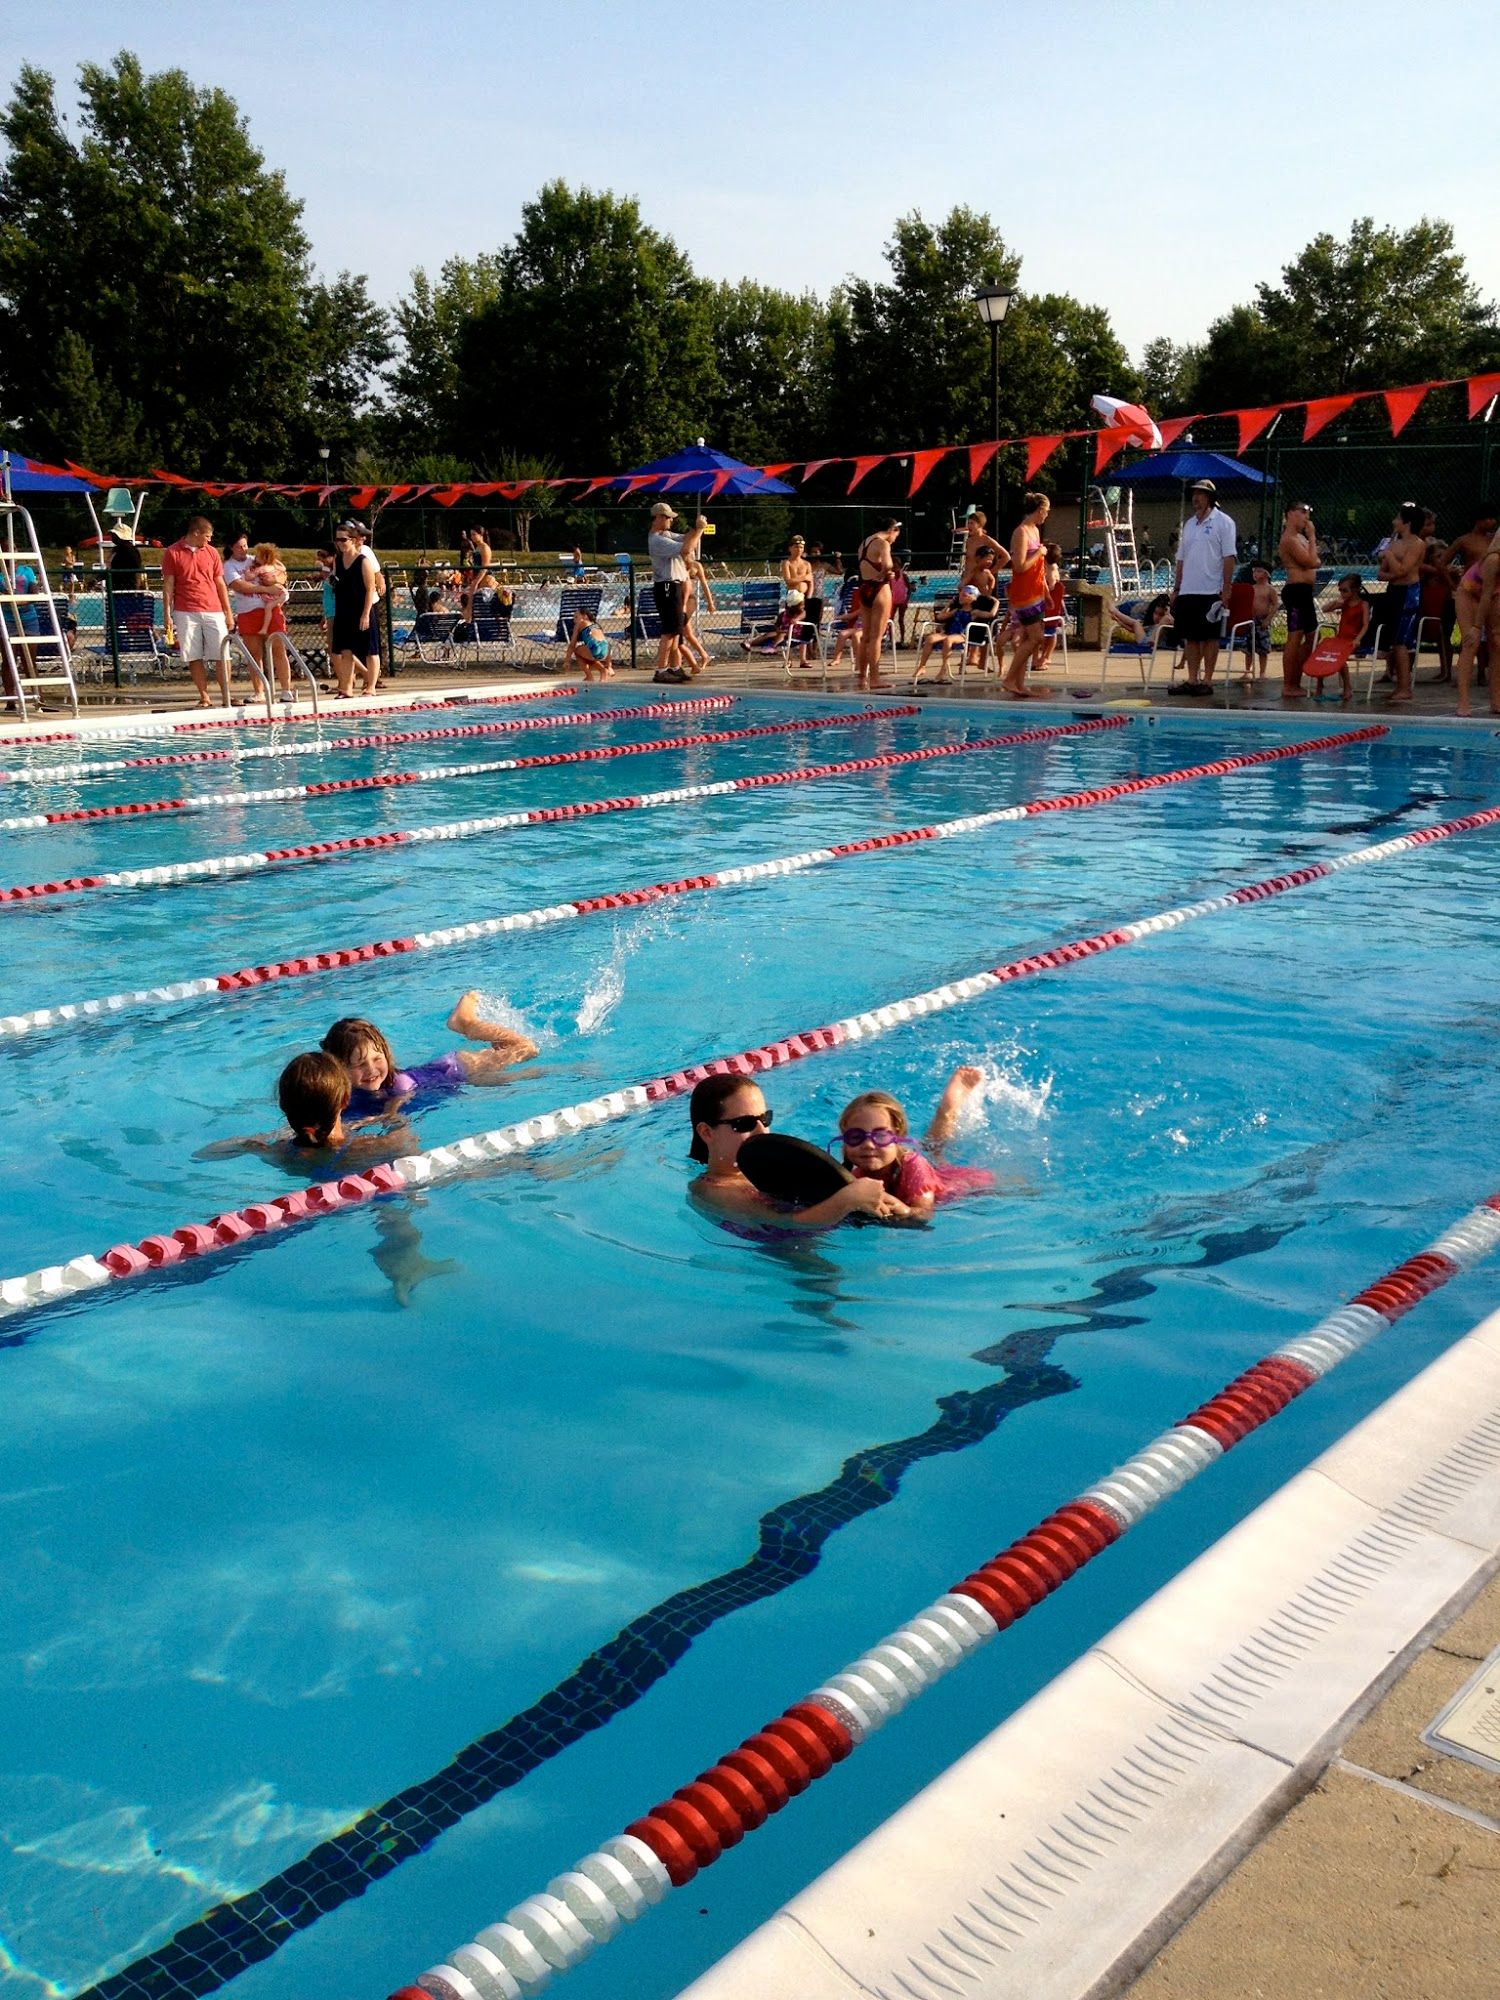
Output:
[[281, 1545]]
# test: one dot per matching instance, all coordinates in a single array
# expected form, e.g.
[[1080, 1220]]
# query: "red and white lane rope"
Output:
[[586, 1905], [98, 767], [208, 985], [483, 1149], [163, 725], [171, 874]]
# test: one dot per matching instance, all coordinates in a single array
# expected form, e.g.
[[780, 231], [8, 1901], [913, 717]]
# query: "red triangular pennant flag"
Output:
[[1317, 415], [675, 479], [721, 480], [1403, 405], [863, 467], [816, 465], [95, 478], [361, 497], [776, 471], [1038, 451], [1253, 422], [592, 487], [922, 463], [446, 495], [172, 478], [1481, 389], [1172, 428], [979, 457], [1109, 444], [398, 493], [635, 483]]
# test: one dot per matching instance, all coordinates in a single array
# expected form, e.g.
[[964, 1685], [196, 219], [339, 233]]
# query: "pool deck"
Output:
[[1227, 1794], [1120, 681]]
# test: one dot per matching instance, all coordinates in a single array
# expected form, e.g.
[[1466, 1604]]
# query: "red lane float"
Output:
[[588, 1903], [243, 753], [172, 873], [179, 991], [160, 725]]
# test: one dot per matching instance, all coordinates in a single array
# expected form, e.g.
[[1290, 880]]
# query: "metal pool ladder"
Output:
[[33, 645]]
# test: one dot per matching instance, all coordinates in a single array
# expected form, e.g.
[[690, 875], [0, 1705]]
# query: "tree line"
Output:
[[159, 307]]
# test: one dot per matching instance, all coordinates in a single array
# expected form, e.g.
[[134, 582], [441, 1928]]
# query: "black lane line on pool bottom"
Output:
[[231, 1937], [211, 1951]]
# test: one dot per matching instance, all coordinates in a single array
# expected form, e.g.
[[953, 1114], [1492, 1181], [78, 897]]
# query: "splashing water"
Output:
[[606, 989], [1016, 1100], [495, 1007]]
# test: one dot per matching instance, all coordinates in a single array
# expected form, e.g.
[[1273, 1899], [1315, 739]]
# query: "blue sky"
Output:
[[1154, 158]]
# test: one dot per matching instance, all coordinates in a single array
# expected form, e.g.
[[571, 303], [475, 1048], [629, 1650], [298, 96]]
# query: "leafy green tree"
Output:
[[1169, 377], [772, 354], [597, 349], [348, 342], [1382, 307], [427, 379], [155, 297]]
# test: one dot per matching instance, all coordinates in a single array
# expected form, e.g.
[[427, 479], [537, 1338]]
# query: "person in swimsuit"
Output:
[[479, 558], [981, 550], [1028, 592], [1056, 609], [1298, 550], [1265, 602], [876, 567], [796, 570], [950, 627], [1436, 601], [821, 568], [873, 1133], [590, 645], [263, 586], [900, 597], [380, 1086], [724, 1112], [1477, 602], [314, 1093], [1400, 569]]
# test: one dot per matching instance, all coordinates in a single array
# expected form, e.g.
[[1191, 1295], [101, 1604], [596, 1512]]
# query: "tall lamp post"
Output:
[[993, 303], [327, 496]]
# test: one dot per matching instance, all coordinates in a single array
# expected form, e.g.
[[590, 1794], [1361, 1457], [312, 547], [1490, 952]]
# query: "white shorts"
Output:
[[200, 634]]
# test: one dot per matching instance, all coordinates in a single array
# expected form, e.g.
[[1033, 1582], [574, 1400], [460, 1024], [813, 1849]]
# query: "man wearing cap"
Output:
[[1205, 570], [1298, 549], [670, 556]]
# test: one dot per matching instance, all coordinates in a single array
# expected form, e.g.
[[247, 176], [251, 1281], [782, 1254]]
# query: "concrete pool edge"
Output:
[[1042, 1863]]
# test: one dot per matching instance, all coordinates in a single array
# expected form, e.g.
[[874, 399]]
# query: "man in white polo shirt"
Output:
[[1205, 570]]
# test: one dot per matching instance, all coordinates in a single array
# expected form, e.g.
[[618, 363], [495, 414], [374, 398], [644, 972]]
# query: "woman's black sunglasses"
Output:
[[747, 1123]]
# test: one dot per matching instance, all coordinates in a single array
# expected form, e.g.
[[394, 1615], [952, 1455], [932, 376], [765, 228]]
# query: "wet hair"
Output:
[[313, 1092], [1157, 609], [347, 1037], [1031, 501], [890, 521], [979, 518], [1354, 578], [876, 1100], [1411, 513], [707, 1101]]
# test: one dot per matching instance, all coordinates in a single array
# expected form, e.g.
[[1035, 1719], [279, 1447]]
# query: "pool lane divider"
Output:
[[172, 874], [481, 1151], [669, 1845], [255, 977], [98, 767], [161, 725]]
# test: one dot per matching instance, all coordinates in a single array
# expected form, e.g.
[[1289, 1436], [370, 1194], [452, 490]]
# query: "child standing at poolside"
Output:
[[379, 1085], [873, 1133], [1265, 604]]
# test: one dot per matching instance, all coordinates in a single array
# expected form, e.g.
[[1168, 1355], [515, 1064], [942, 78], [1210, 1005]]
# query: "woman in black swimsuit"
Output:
[[876, 567]]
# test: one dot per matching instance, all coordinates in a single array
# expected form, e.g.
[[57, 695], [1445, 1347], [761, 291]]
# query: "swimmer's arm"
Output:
[[231, 1149]]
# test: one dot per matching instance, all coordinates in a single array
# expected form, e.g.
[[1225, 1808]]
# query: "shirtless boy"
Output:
[[1298, 550]]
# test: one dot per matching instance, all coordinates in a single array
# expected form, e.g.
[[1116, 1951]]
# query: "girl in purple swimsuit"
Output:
[[873, 1134], [378, 1084]]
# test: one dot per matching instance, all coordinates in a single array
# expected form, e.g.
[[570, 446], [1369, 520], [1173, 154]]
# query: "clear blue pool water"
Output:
[[280, 1544]]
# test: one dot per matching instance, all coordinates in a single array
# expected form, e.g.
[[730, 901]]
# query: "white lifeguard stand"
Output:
[[1116, 520]]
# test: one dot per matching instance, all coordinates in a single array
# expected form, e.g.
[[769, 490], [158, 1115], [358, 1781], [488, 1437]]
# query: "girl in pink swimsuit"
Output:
[[873, 1133]]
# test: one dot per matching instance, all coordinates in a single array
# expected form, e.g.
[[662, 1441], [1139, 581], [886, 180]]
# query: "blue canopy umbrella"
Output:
[[1168, 468], [695, 469], [27, 477]]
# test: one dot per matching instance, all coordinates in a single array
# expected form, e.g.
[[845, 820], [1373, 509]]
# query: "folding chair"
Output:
[[136, 635], [431, 636], [489, 622], [760, 605]]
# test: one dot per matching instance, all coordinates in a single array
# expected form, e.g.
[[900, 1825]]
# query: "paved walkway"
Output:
[[1373, 1887]]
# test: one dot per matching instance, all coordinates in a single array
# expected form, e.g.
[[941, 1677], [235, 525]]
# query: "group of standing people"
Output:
[[353, 584]]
